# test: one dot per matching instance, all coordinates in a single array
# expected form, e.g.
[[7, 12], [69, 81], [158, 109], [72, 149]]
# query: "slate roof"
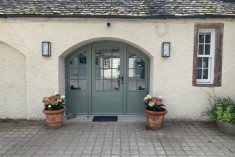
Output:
[[133, 8]]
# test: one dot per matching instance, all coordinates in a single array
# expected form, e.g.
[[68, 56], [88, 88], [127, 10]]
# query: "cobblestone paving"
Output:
[[114, 139]]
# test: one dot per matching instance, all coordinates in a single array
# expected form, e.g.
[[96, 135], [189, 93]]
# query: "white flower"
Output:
[[49, 106], [56, 93], [149, 96], [160, 96], [62, 97]]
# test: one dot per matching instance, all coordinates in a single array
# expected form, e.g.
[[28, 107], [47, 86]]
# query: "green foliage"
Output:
[[156, 108], [53, 107], [223, 110], [32, 11], [77, 6], [23, 11], [213, 114], [38, 9]]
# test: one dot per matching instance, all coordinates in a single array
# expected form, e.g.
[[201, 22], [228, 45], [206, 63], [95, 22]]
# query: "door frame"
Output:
[[125, 47]]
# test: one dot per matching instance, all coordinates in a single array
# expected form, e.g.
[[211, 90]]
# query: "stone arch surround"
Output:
[[70, 50]]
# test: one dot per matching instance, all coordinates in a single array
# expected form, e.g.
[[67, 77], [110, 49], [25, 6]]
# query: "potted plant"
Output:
[[54, 110], [223, 112], [155, 111]]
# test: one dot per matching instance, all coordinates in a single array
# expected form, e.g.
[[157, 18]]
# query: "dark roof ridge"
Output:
[[121, 16]]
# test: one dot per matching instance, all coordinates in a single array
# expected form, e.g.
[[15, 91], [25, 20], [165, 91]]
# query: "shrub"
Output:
[[223, 110]]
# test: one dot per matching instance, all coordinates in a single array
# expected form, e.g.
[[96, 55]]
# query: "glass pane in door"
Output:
[[136, 73], [107, 68], [78, 72]]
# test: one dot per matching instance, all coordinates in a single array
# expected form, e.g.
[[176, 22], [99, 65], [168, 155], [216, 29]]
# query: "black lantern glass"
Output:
[[166, 47], [46, 48]]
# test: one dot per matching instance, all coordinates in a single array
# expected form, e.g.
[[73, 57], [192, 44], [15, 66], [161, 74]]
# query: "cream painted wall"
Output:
[[12, 83], [170, 77]]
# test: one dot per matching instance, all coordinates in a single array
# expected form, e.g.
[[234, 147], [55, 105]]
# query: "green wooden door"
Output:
[[107, 78], [137, 72], [79, 82]]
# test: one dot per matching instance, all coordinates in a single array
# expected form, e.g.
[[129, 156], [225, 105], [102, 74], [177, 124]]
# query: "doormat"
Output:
[[105, 119]]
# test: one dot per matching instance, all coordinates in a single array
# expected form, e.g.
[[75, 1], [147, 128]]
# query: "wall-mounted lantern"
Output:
[[166, 47], [46, 48]]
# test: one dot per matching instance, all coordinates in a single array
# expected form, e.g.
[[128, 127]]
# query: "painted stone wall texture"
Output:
[[12, 83], [169, 77]]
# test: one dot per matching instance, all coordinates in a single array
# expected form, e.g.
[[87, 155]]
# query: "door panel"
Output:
[[78, 102], [107, 91], [78, 82], [135, 104], [137, 85]]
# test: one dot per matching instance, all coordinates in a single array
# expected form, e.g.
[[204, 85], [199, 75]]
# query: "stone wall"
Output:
[[12, 83], [170, 77]]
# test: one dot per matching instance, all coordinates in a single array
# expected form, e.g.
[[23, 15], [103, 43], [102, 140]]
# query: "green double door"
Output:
[[107, 78]]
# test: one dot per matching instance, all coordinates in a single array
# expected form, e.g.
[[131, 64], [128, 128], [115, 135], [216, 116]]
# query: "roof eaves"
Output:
[[176, 16]]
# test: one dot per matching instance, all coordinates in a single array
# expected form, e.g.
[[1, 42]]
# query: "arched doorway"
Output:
[[107, 78]]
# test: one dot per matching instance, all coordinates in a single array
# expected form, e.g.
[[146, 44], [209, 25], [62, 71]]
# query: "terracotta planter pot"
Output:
[[155, 119], [55, 118]]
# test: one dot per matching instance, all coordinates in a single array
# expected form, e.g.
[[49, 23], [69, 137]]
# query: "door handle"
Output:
[[122, 79]]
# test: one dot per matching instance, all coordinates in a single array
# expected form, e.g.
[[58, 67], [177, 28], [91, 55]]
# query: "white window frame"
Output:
[[211, 57]]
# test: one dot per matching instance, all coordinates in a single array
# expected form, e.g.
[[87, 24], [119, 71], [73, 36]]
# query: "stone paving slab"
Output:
[[80, 137]]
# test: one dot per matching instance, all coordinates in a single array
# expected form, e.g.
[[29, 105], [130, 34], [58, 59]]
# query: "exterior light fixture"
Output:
[[166, 46], [108, 24], [46, 48]]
